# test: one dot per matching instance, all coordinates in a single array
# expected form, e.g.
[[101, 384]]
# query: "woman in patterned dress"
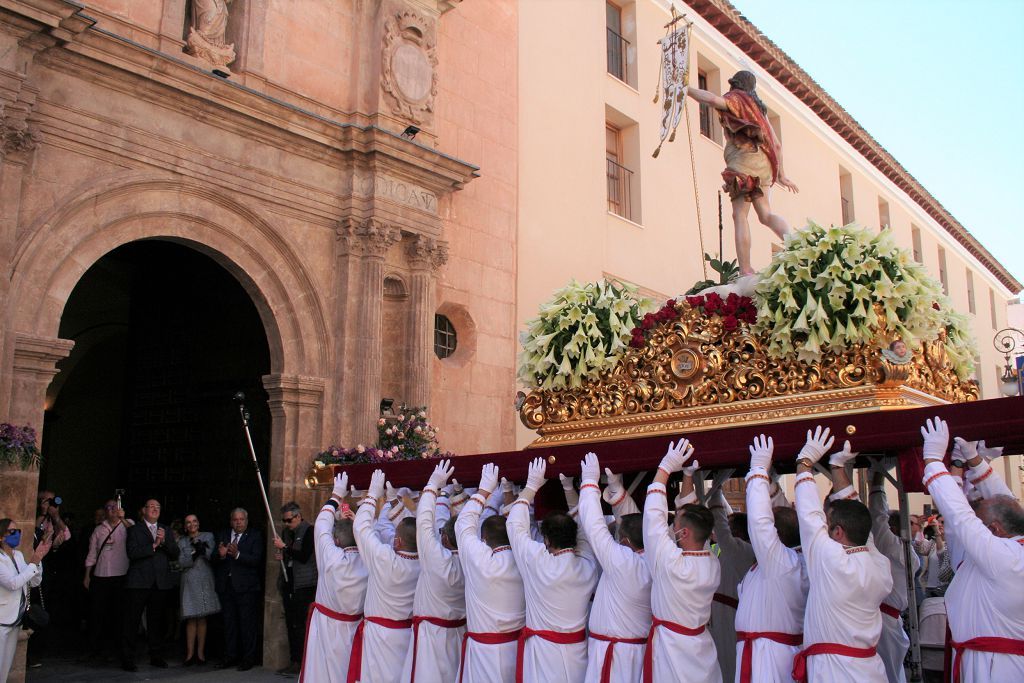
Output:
[[198, 597]]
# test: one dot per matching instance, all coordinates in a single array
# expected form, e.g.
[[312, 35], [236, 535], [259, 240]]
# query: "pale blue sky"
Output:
[[937, 83]]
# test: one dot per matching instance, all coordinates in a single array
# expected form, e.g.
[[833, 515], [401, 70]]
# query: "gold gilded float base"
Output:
[[863, 399]]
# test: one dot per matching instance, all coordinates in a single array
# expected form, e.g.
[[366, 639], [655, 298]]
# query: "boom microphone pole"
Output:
[[240, 398]]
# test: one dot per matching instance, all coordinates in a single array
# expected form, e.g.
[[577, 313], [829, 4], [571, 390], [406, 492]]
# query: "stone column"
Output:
[[425, 256], [296, 409], [33, 368], [376, 237]]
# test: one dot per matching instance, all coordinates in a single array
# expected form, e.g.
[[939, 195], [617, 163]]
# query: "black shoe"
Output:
[[129, 666], [200, 662], [290, 671], [245, 666], [228, 663], [157, 662], [190, 661]]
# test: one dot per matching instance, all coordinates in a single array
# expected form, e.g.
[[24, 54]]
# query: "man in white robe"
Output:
[[985, 601], [495, 602], [340, 592], [382, 638], [773, 594], [848, 581], [685, 574], [439, 607], [559, 576], [620, 617], [736, 556]]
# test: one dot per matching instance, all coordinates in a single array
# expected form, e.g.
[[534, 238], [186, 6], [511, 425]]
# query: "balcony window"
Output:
[[618, 46]]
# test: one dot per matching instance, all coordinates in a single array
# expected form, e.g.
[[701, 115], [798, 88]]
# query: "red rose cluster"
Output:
[[733, 310]]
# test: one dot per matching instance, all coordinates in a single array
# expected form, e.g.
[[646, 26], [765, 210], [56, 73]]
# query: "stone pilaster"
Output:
[[425, 256], [296, 407]]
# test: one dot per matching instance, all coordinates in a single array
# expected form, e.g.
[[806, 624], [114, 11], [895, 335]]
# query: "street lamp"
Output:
[[1009, 342]]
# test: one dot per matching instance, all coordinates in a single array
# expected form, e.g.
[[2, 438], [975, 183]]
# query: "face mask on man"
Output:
[[14, 539]]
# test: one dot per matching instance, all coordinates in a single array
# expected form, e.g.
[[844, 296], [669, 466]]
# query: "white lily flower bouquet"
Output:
[[583, 330], [819, 295]]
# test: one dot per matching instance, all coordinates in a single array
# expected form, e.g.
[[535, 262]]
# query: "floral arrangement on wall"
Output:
[[404, 436], [18, 446], [831, 288], [582, 330]]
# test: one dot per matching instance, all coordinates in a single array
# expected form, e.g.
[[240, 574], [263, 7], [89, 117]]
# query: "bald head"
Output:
[[1003, 515]]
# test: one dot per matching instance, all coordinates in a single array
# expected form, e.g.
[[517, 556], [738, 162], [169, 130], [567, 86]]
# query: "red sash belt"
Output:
[[328, 612], [436, 621], [726, 600], [671, 626], [748, 638], [1003, 646], [486, 639], [606, 666], [800, 661], [890, 610], [559, 637], [355, 662]]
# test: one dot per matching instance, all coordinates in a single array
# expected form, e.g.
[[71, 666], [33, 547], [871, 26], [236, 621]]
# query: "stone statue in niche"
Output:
[[206, 36]]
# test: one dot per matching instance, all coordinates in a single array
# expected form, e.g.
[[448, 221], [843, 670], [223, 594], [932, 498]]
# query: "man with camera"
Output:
[[105, 568], [151, 548]]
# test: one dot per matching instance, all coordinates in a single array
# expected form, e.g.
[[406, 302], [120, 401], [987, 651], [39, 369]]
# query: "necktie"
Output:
[[234, 538]]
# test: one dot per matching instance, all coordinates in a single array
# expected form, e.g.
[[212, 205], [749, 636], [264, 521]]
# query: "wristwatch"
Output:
[[806, 462]]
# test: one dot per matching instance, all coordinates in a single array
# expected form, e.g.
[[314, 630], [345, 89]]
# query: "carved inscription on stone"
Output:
[[394, 190]]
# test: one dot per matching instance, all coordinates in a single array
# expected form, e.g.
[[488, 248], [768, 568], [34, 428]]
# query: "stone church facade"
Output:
[[273, 137]]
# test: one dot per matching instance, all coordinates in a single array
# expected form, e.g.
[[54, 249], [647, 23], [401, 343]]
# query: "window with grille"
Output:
[[705, 110], [445, 338], [617, 44]]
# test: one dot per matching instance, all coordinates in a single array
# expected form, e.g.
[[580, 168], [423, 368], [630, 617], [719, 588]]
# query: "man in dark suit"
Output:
[[239, 560], [151, 549]]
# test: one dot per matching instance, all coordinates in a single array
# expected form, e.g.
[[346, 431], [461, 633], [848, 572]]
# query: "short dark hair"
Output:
[[696, 518], [787, 525], [559, 530], [448, 531], [494, 532], [5, 524], [853, 517], [738, 525], [406, 530], [343, 533], [631, 527], [292, 507], [894, 521]]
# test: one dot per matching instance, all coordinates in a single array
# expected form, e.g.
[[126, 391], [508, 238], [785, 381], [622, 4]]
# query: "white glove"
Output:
[[340, 485], [676, 456], [489, 477], [376, 489], [936, 439], [761, 452], [567, 484], [440, 476], [392, 493], [590, 469], [989, 453], [842, 457], [535, 474], [456, 487], [691, 469], [506, 485], [817, 444], [614, 489]]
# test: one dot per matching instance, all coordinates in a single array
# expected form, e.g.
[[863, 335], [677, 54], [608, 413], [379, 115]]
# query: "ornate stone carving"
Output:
[[16, 134], [694, 372], [369, 236], [409, 65], [206, 35], [426, 252]]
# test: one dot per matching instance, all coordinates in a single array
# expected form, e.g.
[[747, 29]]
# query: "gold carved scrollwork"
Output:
[[693, 363]]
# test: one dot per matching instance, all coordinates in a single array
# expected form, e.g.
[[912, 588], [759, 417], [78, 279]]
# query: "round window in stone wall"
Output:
[[445, 338]]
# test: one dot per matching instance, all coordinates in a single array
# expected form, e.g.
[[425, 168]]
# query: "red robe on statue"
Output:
[[752, 151]]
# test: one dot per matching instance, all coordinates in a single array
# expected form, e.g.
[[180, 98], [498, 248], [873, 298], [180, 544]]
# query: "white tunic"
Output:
[[495, 602], [773, 594], [846, 587], [622, 604], [440, 593], [558, 587], [735, 557], [390, 588], [986, 596], [894, 642], [341, 587], [683, 583]]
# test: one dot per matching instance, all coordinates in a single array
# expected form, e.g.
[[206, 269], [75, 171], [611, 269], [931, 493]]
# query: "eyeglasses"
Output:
[[287, 520]]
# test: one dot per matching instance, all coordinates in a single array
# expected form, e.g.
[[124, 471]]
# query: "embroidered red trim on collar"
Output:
[[857, 549], [563, 551], [500, 549], [407, 556]]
